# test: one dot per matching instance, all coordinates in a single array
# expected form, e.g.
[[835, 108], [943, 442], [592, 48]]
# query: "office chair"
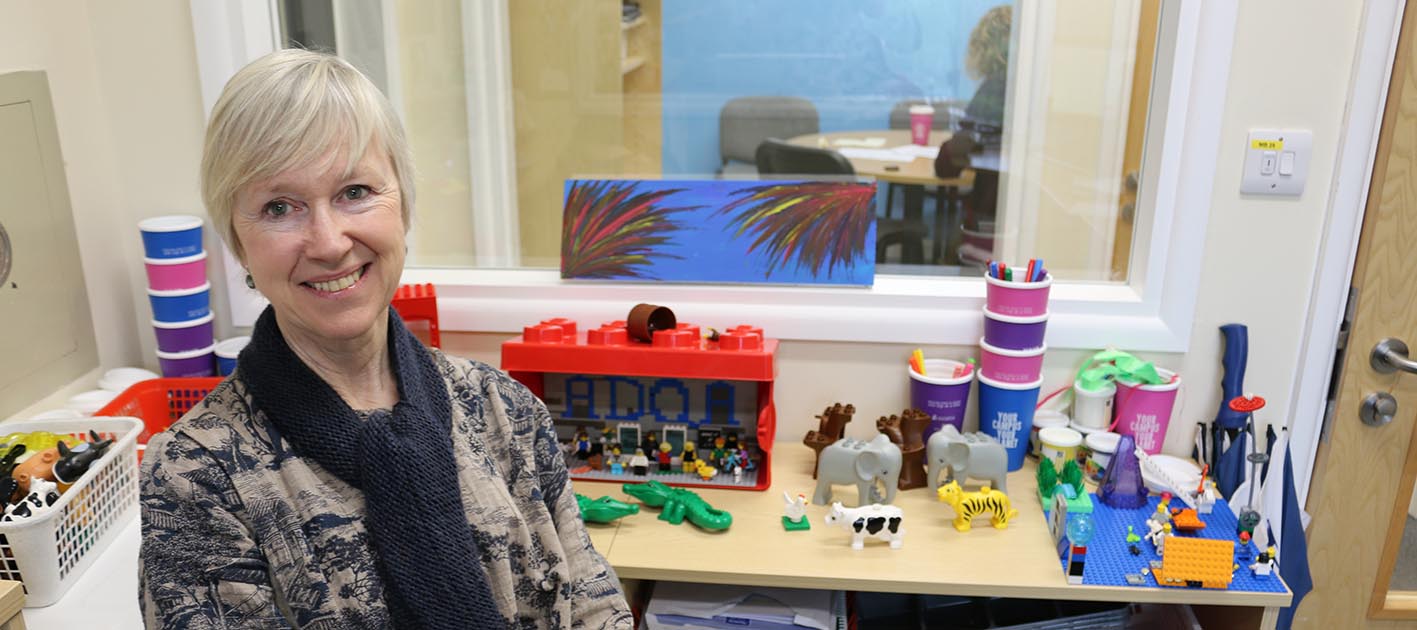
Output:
[[775, 157], [745, 122]]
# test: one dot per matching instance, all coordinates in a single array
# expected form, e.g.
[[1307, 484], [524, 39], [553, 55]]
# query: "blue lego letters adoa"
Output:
[[692, 402]]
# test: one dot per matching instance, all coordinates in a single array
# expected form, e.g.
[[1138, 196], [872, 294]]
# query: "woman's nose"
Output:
[[327, 238]]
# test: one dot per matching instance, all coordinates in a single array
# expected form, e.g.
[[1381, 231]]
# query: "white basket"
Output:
[[50, 550]]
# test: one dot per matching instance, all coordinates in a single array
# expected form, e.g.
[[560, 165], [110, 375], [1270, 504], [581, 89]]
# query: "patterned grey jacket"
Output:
[[238, 531]]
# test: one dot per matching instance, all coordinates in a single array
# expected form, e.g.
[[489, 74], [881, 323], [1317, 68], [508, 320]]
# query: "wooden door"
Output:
[[1147, 23], [1364, 474]]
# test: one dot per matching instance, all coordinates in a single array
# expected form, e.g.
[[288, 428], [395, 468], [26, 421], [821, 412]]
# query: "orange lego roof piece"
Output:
[[1187, 521], [1196, 560]]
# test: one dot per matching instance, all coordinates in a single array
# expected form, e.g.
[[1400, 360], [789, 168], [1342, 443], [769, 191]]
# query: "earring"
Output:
[[250, 282]]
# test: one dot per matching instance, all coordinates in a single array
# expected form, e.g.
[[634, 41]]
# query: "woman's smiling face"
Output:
[[325, 247]]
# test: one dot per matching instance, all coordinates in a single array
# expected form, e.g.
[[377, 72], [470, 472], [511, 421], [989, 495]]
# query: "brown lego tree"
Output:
[[908, 432], [831, 426]]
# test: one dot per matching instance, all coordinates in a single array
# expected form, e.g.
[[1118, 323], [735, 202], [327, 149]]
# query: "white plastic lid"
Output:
[[186, 354], [230, 348], [170, 223], [90, 401], [202, 255], [180, 292], [1044, 418], [1103, 442], [119, 379], [187, 324], [922, 109], [1061, 437]]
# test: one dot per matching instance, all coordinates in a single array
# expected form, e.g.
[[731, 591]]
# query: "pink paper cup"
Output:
[[1018, 299], [176, 274], [1144, 411], [1010, 366]]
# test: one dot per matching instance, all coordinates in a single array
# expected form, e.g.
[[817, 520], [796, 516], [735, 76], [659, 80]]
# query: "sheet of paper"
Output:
[[869, 143], [915, 150], [883, 155]]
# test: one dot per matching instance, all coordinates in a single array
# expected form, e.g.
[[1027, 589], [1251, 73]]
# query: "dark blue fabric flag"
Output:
[[1294, 551]]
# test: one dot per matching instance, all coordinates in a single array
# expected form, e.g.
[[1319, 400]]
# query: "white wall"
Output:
[[125, 87], [124, 82]]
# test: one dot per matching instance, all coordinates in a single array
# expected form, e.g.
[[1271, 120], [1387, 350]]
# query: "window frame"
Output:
[[1153, 311]]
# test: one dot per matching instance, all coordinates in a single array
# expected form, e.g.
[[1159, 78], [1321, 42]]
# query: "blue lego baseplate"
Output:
[[1109, 560]]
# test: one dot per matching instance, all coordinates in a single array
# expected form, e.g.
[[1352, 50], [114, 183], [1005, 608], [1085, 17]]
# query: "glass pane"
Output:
[[1404, 572], [1042, 134]]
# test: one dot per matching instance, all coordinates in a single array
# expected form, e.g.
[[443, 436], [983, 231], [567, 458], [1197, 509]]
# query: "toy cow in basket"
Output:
[[876, 520]]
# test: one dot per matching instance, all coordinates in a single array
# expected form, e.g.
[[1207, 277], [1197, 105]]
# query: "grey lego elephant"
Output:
[[852, 461], [968, 455]]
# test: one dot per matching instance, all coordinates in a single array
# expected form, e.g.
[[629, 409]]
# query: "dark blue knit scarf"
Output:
[[402, 461]]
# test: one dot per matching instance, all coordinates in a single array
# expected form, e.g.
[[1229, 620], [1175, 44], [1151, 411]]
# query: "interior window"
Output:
[[1039, 111]]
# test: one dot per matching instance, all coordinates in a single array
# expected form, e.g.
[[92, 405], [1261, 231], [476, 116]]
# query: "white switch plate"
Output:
[[1268, 154]]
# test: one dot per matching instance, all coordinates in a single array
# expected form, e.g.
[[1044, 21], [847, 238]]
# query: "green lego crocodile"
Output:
[[678, 503], [604, 509]]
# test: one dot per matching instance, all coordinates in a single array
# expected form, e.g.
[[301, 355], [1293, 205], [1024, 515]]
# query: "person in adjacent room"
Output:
[[346, 476], [980, 131]]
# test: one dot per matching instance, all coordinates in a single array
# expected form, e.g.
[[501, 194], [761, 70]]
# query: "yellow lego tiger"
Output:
[[968, 505]]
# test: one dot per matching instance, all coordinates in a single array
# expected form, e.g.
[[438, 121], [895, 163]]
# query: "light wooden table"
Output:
[[936, 559], [913, 176]]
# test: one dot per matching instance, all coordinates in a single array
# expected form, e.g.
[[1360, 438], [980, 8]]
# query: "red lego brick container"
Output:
[[606, 361]]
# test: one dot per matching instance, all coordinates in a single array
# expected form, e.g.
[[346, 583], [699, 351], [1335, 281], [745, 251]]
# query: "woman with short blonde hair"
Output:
[[346, 476]]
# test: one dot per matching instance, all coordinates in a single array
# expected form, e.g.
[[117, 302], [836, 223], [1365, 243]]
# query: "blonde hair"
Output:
[[288, 109], [988, 54]]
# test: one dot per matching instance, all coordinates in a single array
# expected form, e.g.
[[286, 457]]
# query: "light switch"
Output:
[[1276, 161], [1267, 163]]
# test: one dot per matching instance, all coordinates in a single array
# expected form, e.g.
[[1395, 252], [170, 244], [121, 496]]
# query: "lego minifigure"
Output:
[[745, 458], [664, 458], [582, 445], [731, 441], [689, 457], [639, 463], [1264, 564], [718, 454], [649, 443], [734, 463]]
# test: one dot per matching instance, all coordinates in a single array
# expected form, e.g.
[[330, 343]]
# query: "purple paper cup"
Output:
[[1014, 333], [1006, 412], [1018, 299], [1010, 366], [943, 397], [184, 336], [187, 364]]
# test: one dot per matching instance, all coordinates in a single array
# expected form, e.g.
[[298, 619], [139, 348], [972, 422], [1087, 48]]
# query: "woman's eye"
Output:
[[277, 209], [356, 192]]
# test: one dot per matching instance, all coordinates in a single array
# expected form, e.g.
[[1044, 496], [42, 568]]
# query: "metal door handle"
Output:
[[1390, 355], [5, 256]]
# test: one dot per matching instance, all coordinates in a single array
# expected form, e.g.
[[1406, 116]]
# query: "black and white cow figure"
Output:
[[875, 520]]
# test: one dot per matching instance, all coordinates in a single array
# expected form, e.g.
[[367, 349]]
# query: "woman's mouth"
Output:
[[338, 284]]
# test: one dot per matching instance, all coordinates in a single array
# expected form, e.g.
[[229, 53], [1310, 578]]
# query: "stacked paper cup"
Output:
[[1011, 360], [179, 294]]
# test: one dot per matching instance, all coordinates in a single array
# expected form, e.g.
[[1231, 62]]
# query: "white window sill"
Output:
[[898, 309]]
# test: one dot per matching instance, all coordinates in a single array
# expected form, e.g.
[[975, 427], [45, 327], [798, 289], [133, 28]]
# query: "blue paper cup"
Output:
[[1006, 412], [171, 236], [181, 306], [227, 351]]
